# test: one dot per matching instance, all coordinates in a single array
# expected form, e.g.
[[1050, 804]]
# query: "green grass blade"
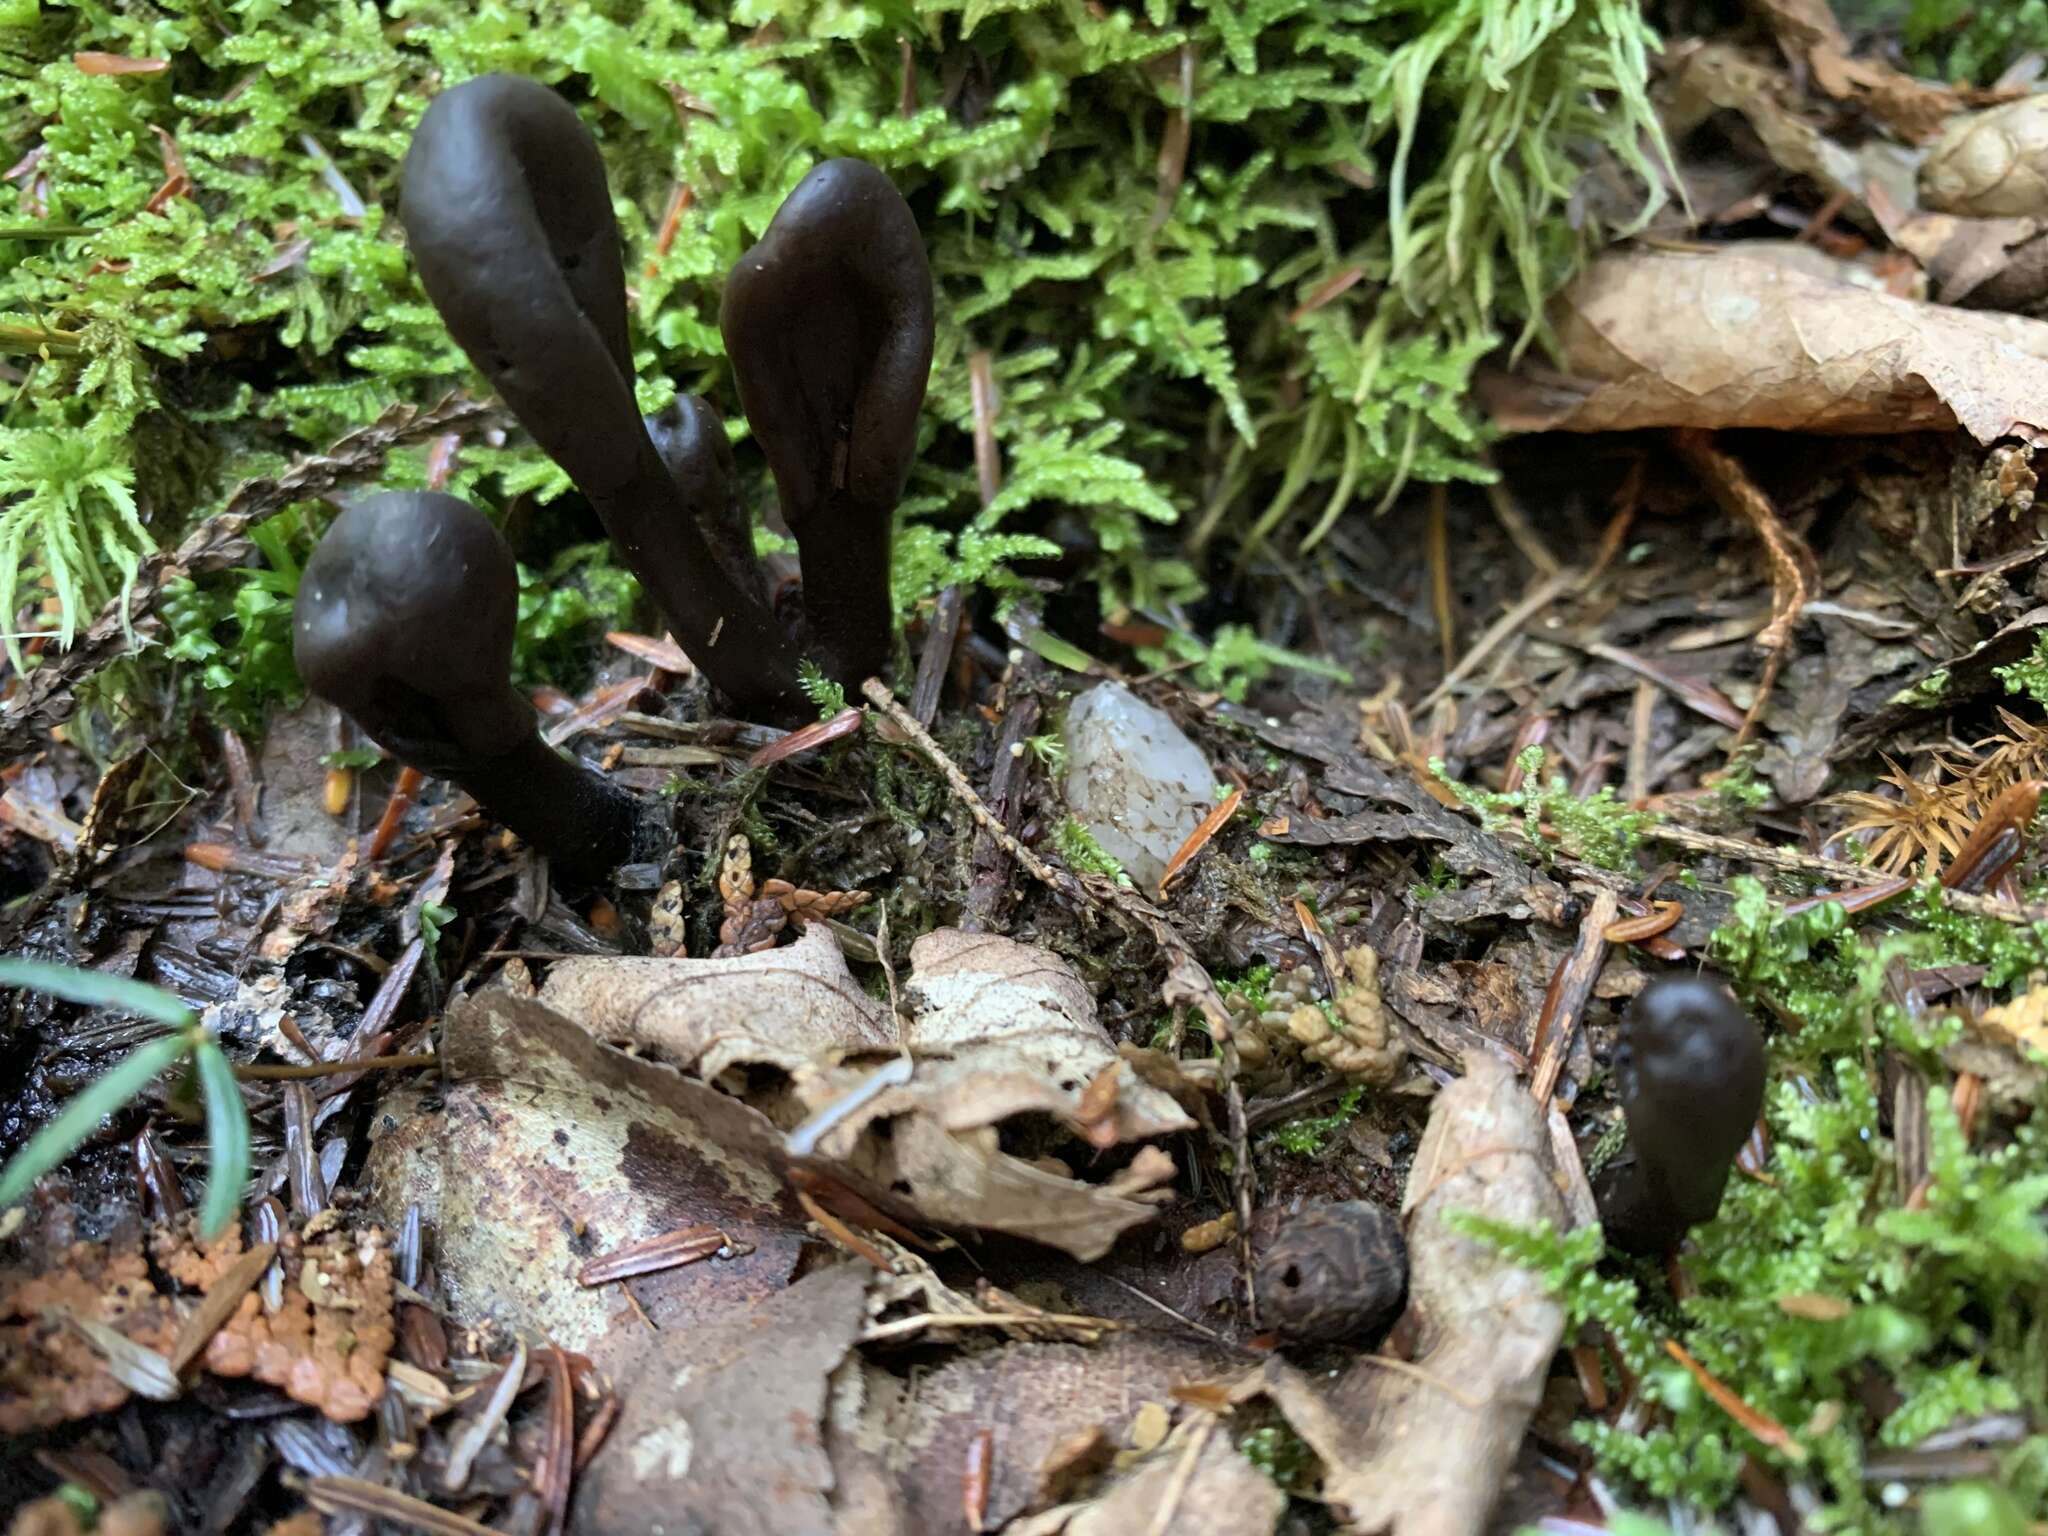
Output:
[[227, 1129], [98, 989], [82, 1116]]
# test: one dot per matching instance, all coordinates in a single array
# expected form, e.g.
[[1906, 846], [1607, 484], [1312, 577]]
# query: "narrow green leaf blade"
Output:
[[97, 989], [81, 1117], [227, 1129]]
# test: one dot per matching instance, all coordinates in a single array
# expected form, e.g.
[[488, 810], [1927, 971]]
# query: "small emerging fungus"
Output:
[[1690, 1066], [509, 218], [828, 322], [404, 622]]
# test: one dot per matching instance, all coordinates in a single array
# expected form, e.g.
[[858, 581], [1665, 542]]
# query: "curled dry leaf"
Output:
[[997, 1029], [1706, 77], [1991, 164], [1713, 340], [1421, 1449], [1807, 30], [794, 1008], [1196, 1481]]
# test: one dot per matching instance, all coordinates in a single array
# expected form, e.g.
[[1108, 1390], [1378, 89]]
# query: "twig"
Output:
[[1183, 1474], [333, 1495], [267, 1073], [1440, 575], [897, 1327], [1533, 602], [878, 694], [1839, 871], [1515, 523], [1187, 980], [46, 696], [1008, 782], [1569, 989], [1795, 576], [1415, 1372]]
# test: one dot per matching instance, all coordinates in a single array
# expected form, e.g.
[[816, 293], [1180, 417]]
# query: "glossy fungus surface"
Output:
[[828, 322], [1689, 1069], [404, 621], [509, 220]]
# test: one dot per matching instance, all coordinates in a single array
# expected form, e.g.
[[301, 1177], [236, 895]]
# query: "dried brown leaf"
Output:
[[1684, 339]]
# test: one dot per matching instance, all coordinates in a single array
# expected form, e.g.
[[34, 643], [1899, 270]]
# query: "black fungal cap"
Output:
[[1690, 1070], [509, 220], [404, 621], [828, 322]]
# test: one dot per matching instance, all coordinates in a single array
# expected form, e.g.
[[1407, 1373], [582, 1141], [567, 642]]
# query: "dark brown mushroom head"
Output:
[[509, 220], [404, 622], [1690, 1070], [828, 322]]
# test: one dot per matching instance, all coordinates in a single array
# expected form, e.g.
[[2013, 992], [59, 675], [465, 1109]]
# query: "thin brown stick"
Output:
[[1534, 601], [335, 1495], [1516, 525], [1440, 575], [1569, 990], [1183, 1475], [1839, 871], [47, 695], [268, 1073]]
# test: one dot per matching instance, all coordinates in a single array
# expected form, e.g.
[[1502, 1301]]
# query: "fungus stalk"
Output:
[[828, 322], [509, 219], [1690, 1068]]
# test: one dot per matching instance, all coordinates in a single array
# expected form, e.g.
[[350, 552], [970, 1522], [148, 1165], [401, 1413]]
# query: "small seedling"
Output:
[[227, 1117]]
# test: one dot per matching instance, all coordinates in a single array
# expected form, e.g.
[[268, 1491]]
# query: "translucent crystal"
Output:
[[1134, 779]]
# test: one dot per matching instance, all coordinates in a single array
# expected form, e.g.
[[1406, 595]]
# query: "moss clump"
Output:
[[1232, 260], [1858, 1316]]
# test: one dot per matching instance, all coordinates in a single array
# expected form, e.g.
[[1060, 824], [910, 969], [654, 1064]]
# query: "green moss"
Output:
[[1282, 1455], [1145, 363], [826, 696], [1233, 660], [1968, 40], [1597, 827], [565, 609], [2028, 678], [1079, 851], [1941, 1302], [1307, 1135]]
